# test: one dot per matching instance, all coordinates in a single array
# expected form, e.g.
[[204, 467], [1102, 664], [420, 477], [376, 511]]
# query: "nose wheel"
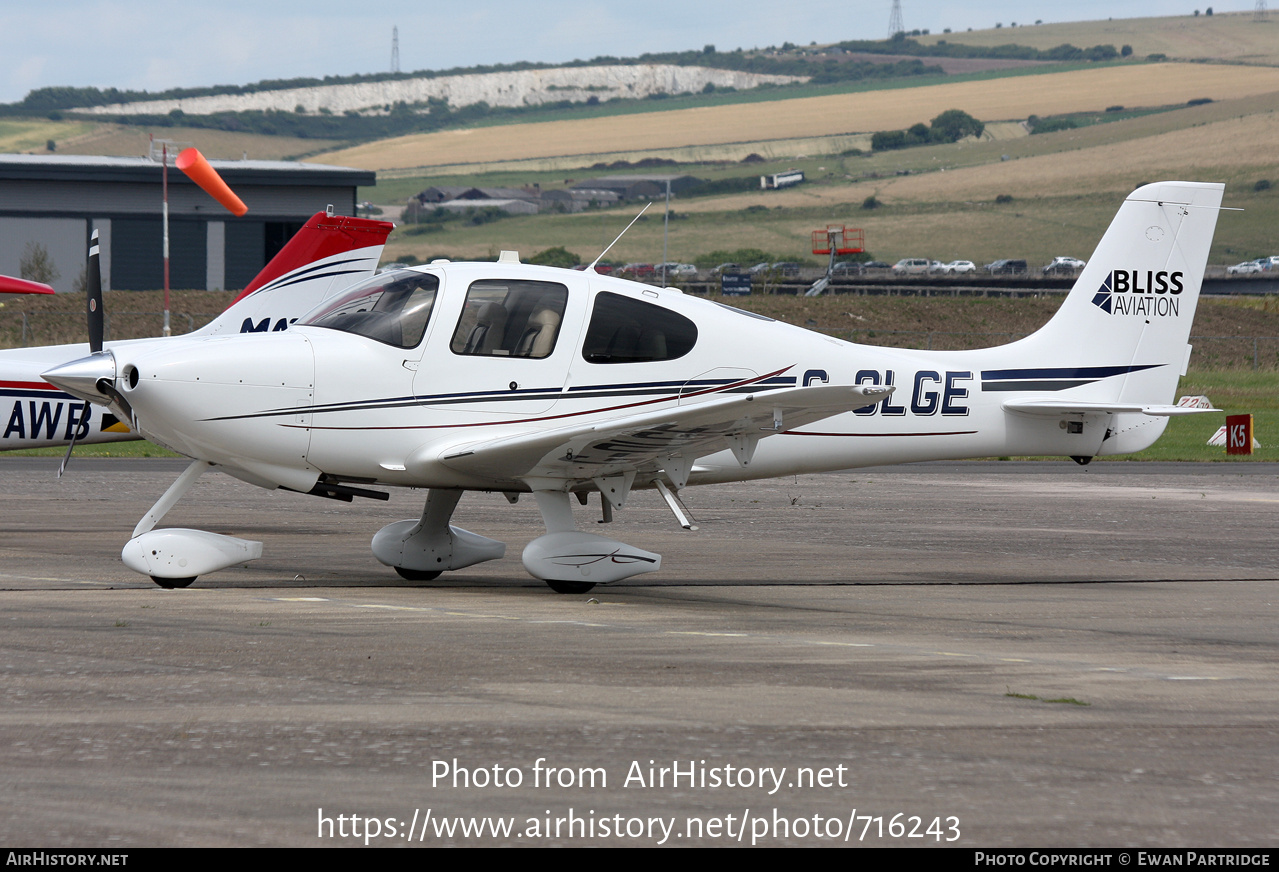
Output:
[[418, 574], [171, 583], [570, 586]]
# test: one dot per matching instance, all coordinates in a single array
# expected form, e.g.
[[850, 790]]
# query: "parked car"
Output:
[[726, 268], [637, 270], [1243, 269], [760, 268], [786, 268], [848, 268], [911, 266], [1008, 267], [603, 268], [1064, 266], [959, 267], [875, 265], [677, 269], [1271, 262]]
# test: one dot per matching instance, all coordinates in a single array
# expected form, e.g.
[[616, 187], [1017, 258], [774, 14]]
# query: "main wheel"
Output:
[[419, 574], [171, 583], [570, 586]]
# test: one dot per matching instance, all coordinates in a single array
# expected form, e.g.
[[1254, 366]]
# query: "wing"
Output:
[[668, 440]]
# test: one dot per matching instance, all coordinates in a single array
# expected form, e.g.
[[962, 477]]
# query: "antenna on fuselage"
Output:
[[619, 236]]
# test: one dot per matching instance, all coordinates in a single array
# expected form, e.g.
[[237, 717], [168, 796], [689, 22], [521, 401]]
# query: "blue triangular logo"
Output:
[[1102, 298]]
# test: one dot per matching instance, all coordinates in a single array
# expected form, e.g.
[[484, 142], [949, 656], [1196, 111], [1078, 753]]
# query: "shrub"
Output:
[[557, 256], [1004, 198], [1262, 185], [953, 125], [1048, 125], [36, 265], [886, 140], [871, 203]]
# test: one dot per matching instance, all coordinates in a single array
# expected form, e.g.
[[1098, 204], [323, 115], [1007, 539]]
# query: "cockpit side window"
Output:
[[510, 318], [393, 307], [624, 330]]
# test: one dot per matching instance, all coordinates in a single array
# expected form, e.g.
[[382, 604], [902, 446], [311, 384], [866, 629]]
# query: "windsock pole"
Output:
[[164, 162]]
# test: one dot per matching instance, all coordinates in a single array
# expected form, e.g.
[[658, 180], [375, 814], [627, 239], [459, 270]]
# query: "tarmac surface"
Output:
[[1013, 654]]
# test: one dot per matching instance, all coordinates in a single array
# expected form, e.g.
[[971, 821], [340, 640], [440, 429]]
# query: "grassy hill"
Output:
[[731, 127], [1234, 37], [32, 135], [936, 201]]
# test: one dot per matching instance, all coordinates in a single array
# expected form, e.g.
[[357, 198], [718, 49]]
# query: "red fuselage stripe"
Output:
[[28, 386]]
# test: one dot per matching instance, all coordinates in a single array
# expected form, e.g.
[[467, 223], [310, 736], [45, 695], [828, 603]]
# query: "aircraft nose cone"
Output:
[[82, 378]]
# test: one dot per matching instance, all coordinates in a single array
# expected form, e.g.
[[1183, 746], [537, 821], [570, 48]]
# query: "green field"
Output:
[[1235, 393], [19, 135]]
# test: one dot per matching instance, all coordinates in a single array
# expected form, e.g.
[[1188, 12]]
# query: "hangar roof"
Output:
[[95, 168]]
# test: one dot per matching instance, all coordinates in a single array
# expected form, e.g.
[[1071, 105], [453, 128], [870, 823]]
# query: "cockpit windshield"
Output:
[[393, 307]]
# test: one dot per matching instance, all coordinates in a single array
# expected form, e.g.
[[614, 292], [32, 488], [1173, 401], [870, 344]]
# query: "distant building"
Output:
[[442, 193], [448, 193], [56, 201], [511, 207], [781, 180], [647, 186], [576, 199]]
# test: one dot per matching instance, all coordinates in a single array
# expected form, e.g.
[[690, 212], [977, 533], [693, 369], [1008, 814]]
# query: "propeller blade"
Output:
[[94, 302]]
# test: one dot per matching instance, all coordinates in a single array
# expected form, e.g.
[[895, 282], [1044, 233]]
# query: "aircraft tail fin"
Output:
[[1123, 329], [330, 253], [1119, 342]]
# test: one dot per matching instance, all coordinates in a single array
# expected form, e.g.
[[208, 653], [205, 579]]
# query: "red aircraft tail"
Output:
[[330, 253]]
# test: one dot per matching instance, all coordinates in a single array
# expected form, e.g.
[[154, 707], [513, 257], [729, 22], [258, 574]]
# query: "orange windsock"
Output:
[[191, 162]]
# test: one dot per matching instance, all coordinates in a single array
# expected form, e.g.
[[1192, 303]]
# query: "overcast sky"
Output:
[[113, 43]]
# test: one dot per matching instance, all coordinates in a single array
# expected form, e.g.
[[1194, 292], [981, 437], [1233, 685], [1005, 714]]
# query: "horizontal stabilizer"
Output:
[[1054, 406]]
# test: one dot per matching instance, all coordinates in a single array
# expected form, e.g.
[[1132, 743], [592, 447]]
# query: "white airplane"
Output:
[[328, 254], [521, 379]]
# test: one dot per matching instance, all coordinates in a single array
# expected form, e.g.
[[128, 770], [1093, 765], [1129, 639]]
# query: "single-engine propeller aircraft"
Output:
[[327, 255], [523, 379]]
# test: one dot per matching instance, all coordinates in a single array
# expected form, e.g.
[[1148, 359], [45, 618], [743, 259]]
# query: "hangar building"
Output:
[[55, 201]]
